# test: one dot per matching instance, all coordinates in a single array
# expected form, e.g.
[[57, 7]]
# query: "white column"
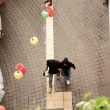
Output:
[[50, 44], [49, 38]]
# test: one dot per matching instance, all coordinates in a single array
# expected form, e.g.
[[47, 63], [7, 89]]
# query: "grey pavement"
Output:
[[21, 20], [81, 34]]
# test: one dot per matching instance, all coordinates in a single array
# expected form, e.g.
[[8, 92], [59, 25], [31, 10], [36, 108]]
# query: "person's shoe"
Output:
[[49, 90], [68, 82]]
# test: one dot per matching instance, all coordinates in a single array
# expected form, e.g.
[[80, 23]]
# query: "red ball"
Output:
[[50, 11], [2, 107]]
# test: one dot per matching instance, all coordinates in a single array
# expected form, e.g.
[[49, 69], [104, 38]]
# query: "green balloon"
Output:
[[44, 14]]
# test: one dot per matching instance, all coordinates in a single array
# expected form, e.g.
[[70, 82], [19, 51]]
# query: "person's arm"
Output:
[[72, 65], [45, 70]]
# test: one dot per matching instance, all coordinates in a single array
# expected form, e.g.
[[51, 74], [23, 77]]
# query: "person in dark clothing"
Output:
[[66, 69], [52, 67], [49, 1]]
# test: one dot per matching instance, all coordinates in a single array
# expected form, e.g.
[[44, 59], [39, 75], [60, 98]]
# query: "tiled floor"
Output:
[[81, 34]]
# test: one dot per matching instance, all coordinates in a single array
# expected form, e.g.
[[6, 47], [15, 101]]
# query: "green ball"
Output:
[[44, 14]]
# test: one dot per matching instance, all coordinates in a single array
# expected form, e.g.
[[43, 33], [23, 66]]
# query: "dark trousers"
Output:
[[50, 80], [66, 75]]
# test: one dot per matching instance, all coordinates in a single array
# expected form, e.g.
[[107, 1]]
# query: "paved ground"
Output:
[[21, 21], [81, 34]]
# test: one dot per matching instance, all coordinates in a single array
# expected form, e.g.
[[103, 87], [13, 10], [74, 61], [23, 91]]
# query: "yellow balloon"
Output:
[[18, 75], [34, 40]]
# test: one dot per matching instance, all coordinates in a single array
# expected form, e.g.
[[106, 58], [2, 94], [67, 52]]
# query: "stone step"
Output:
[[61, 85], [57, 100]]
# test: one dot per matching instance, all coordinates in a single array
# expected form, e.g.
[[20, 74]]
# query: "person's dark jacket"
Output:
[[65, 65], [53, 65]]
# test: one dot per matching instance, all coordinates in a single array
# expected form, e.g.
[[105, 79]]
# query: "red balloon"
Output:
[[2, 107], [50, 11], [21, 68]]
